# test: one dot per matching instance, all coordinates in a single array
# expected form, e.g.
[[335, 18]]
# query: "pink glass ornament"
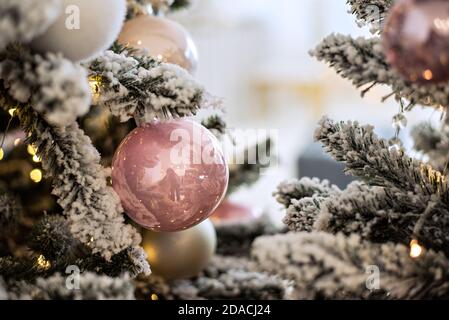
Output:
[[416, 40], [231, 212], [170, 176], [162, 39]]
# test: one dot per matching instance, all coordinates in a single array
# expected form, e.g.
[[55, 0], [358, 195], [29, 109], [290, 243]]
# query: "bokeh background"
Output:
[[254, 54]]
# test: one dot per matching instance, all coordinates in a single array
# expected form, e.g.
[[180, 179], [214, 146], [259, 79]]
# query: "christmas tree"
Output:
[[74, 212]]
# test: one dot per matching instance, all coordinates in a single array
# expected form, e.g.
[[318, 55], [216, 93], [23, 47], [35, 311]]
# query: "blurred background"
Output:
[[254, 54]]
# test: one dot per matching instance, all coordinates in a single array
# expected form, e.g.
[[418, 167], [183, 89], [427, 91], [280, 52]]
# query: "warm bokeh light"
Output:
[[36, 175]]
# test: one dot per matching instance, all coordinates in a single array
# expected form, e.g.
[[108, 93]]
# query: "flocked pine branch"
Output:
[[236, 238], [372, 12], [215, 124], [143, 88], [306, 187], [54, 86], [434, 143], [138, 7], [92, 208], [363, 63], [338, 267], [225, 278], [408, 188], [23, 20], [370, 158], [10, 210], [58, 287]]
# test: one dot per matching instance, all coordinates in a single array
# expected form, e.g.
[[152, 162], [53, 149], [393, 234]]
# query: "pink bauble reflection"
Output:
[[170, 176]]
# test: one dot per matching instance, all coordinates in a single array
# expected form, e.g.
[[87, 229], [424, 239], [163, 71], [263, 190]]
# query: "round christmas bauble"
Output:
[[177, 255], [170, 175], [416, 40], [84, 29], [162, 39], [231, 212]]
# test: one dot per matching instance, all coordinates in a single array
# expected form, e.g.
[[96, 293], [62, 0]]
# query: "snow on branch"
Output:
[[236, 238], [324, 266], [52, 85], [306, 187], [372, 12], [22, 20], [91, 287], [362, 62], [143, 88], [433, 142], [92, 208], [10, 210], [370, 158], [406, 199], [225, 278]]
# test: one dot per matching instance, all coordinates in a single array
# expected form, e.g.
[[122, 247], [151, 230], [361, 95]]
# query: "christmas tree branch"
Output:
[[236, 238], [371, 12], [304, 188], [225, 278], [433, 142], [54, 86], [368, 157], [362, 61], [10, 210], [90, 286], [338, 267], [92, 208], [21, 21], [143, 88]]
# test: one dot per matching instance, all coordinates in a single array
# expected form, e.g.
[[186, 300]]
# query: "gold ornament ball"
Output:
[[180, 255], [161, 39]]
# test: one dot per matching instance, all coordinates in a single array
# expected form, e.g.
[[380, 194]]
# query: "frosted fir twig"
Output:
[[139, 7], [302, 214], [369, 157], [236, 238], [372, 12], [21, 21], [91, 287], [10, 210], [215, 124], [245, 170], [362, 62], [143, 88], [231, 278], [92, 208], [51, 237], [433, 142], [52, 85], [379, 215], [338, 267], [306, 187]]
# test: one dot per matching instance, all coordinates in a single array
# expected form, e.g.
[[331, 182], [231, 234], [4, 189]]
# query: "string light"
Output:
[[43, 263], [36, 175], [415, 249], [2, 153], [36, 158], [95, 83], [12, 111], [17, 142], [31, 150], [154, 297]]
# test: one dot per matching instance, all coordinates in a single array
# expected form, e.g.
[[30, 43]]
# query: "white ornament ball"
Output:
[[84, 29], [183, 254]]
